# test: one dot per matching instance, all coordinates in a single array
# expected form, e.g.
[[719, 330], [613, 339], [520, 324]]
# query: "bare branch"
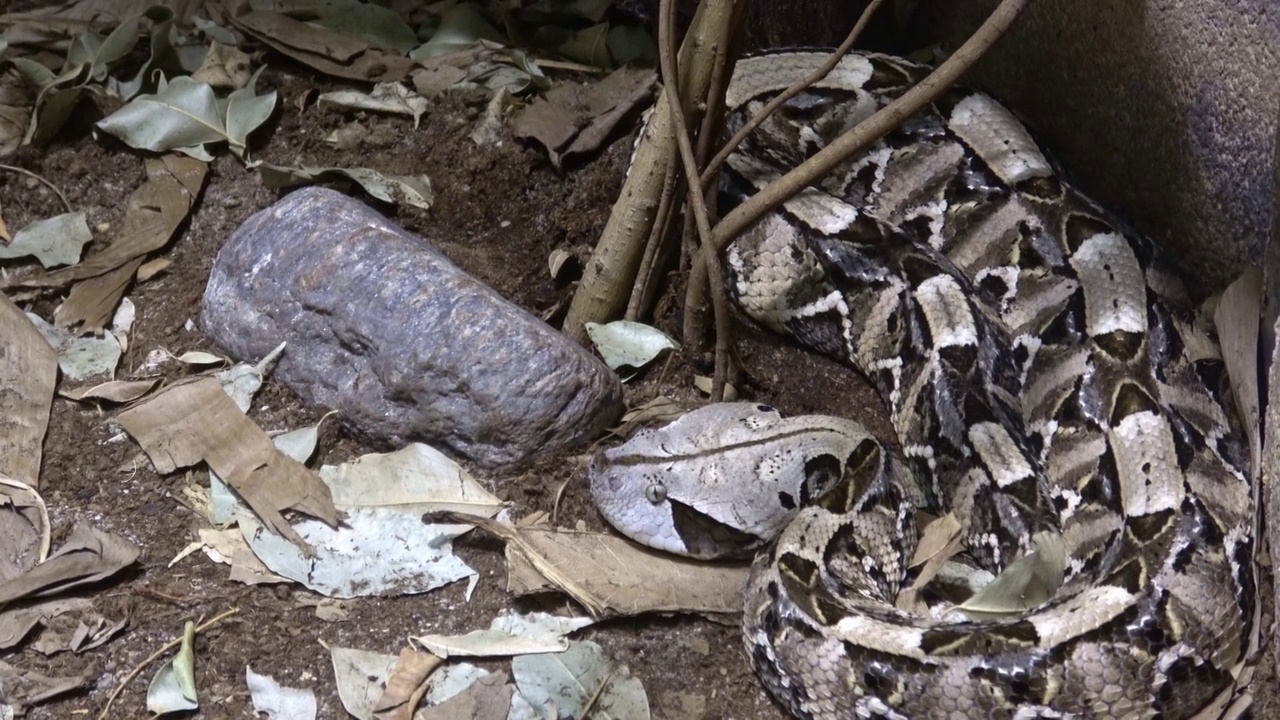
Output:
[[873, 128]]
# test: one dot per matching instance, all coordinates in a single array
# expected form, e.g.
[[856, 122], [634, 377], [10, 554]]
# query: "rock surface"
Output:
[[406, 346]]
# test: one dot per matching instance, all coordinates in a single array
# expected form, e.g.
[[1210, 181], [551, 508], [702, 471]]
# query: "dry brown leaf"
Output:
[[154, 212], [224, 67], [607, 575], [939, 542], [89, 555], [151, 268], [659, 410], [46, 22], [332, 53], [27, 687], [406, 685], [229, 546], [577, 119], [28, 372], [488, 698], [116, 391], [436, 78], [18, 623], [197, 421]]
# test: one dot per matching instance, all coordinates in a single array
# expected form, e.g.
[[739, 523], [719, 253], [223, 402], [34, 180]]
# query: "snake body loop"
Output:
[[1050, 389]]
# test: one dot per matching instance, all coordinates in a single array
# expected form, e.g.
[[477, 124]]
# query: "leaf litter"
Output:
[[168, 424]]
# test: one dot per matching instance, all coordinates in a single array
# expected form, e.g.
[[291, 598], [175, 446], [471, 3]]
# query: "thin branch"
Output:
[[106, 709], [666, 57], [641, 290], [871, 129], [712, 170], [65, 203]]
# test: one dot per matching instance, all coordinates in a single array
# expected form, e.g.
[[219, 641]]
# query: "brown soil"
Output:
[[499, 210]]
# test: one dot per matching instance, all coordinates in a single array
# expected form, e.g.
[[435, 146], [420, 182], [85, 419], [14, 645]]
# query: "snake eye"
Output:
[[656, 492]]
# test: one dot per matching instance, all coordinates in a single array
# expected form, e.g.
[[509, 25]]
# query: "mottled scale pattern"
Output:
[[1050, 385]]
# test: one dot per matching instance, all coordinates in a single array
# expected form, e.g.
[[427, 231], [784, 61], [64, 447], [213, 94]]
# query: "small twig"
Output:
[[666, 58], [65, 203], [873, 128], [712, 170], [171, 599], [152, 658], [595, 696]]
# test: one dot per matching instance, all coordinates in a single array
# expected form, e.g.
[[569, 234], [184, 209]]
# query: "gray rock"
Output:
[[405, 345]]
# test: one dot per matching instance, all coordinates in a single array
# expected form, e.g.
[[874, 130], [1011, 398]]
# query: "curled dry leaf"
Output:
[[88, 556], [116, 391], [1237, 322]]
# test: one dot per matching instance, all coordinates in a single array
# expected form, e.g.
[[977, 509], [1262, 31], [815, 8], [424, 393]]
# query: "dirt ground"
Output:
[[499, 211]]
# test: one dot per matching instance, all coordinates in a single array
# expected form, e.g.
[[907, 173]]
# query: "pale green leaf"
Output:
[[245, 112], [53, 241], [577, 677], [632, 344], [183, 115], [173, 689]]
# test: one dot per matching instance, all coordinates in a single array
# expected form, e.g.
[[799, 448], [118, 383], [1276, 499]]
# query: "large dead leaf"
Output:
[[26, 687], [28, 371], [576, 119], [114, 391], [154, 212], [607, 575], [197, 421], [89, 555], [332, 53]]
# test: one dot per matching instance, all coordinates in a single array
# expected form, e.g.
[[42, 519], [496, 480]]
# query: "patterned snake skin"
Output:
[[1049, 388]]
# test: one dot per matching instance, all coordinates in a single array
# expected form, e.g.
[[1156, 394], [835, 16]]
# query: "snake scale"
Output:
[[1050, 389]]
